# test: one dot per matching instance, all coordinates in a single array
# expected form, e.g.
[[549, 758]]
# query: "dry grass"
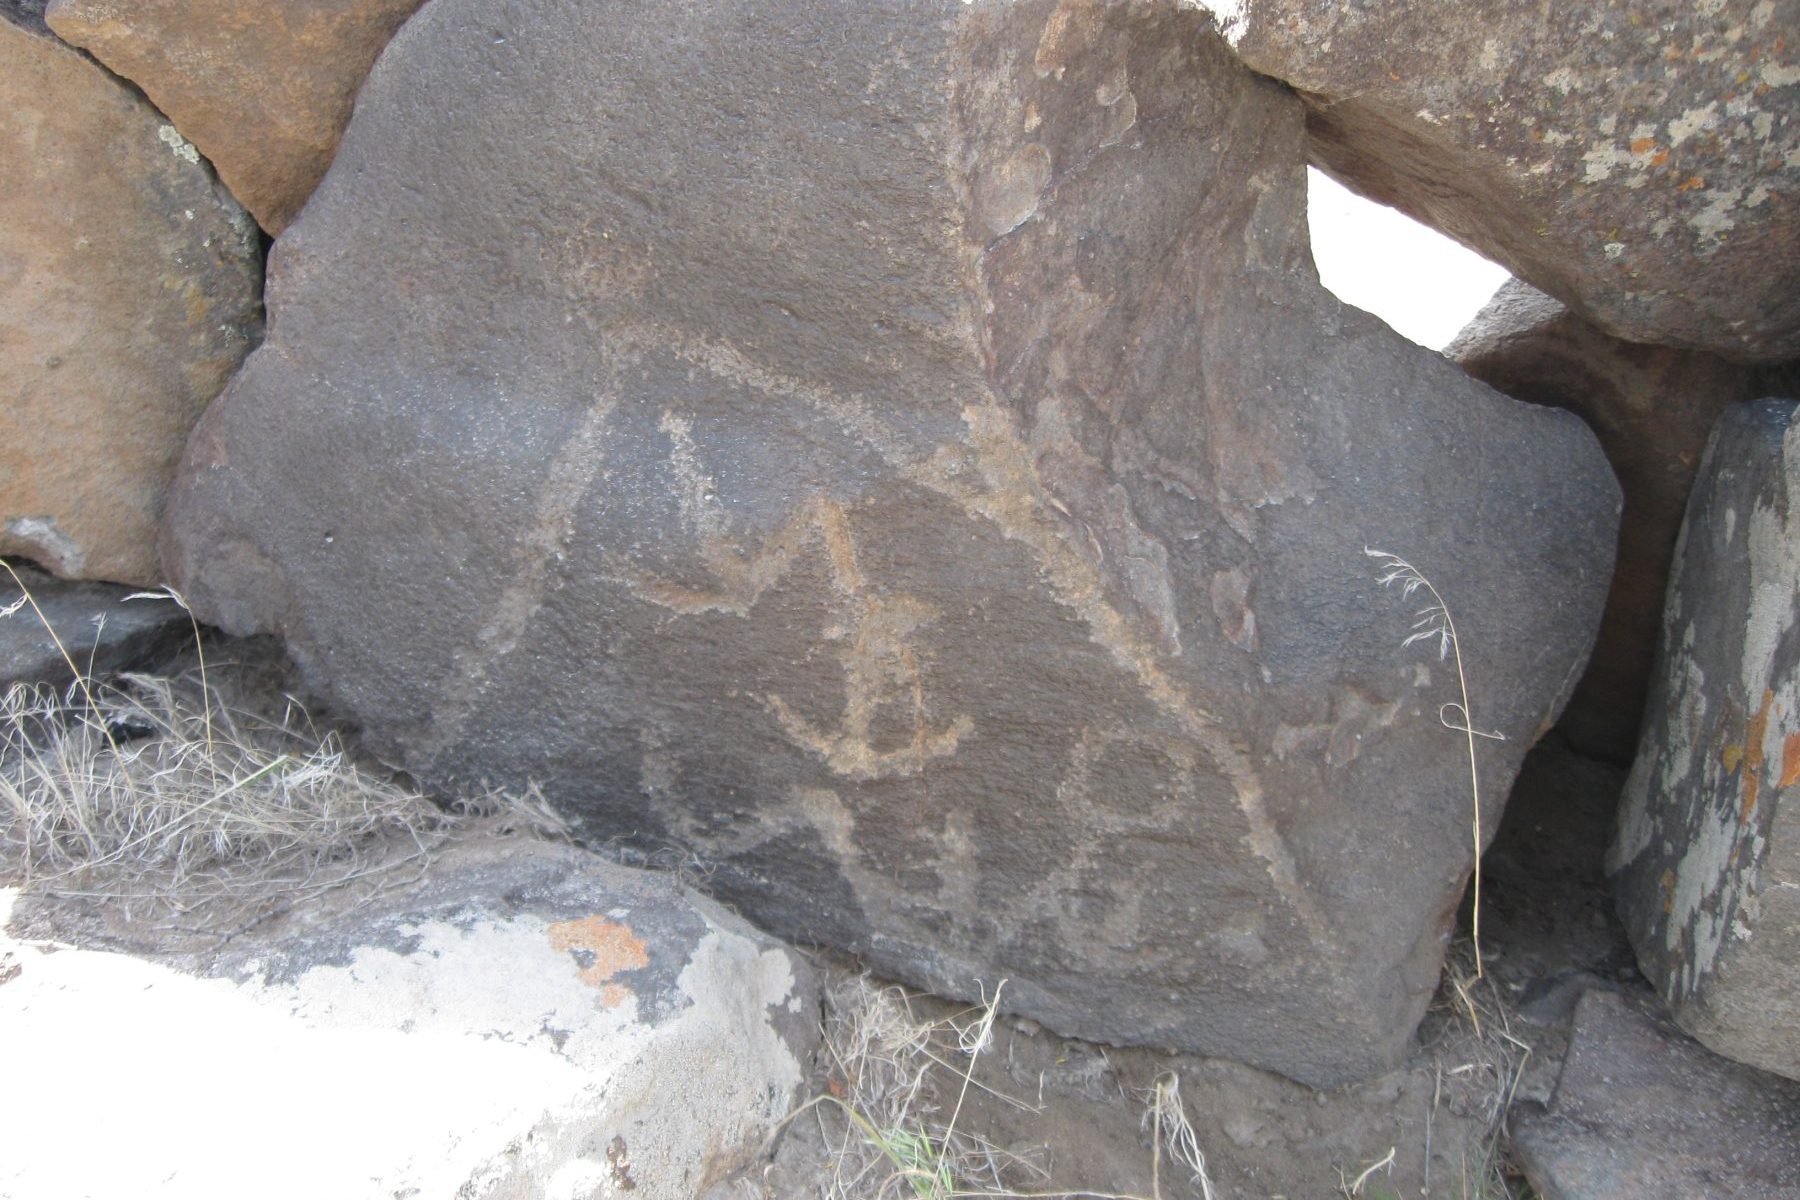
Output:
[[1479, 1061], [1434, 623], [196, 800], [898, 1084]]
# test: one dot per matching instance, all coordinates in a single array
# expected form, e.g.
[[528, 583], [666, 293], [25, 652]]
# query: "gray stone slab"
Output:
[[101, 630], [1639, 162], [1706, 862], [1642, 1112]]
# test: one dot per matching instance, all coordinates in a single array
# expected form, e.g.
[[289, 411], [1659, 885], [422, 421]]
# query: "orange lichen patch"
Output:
[[1757, 730], [1660, 157], [1667, 884], [1642, 145], [1690, 183], [613, 948], [1752, 785], [1790, 760]]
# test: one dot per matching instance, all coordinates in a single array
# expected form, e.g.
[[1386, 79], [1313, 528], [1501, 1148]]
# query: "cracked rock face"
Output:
[[130, 289], [901, 458], [1707, 857], [262, 89], [1641, 162]]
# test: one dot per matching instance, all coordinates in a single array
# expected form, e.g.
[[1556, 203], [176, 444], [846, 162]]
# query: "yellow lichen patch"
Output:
[[1732, 755], [612, 948]]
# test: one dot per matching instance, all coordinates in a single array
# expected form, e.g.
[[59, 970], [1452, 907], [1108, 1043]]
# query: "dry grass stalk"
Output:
[[1433, 623]]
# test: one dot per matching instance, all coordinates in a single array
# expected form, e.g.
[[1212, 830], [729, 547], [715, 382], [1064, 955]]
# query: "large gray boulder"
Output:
[[1707, 858], [130, 290], [1653, 408], [901, 457], [1639, 162]]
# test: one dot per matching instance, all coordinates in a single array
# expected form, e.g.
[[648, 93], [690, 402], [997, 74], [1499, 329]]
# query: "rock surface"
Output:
[[1642, 1113], [130, 289], [1639, 162], [262, 89], [526, 1020], [101, 631], [1707, 858], [909, 466], [1653, 407]]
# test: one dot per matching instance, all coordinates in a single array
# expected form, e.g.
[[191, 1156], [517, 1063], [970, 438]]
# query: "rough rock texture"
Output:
[[1642, 1113], [909, 465], [100, 629], [1653, 408], [526, 1020], [262, 89], [1639, 162], [130, 289], [1707, 858]]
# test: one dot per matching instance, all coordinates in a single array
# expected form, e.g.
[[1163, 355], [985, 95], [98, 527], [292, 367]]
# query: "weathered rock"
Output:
[[130, 289], [1653, 408], [908, 464], [1707, 858], [1642, 1113], [262, 89], [526, 1020], [1640, 162], [101, 631]]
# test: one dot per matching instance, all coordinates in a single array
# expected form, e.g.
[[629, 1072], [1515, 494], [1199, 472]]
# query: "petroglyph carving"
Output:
[[881, 666]]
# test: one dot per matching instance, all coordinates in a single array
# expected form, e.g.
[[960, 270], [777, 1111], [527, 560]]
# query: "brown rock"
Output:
[[262, 89], [1653, 408], [906, 465], [130, 289], [1707, 860], [1641, 162]]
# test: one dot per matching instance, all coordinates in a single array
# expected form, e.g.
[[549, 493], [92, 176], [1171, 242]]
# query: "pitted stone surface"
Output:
[[906, 464], [1653, 407], [130, 289], [1707, 858], [1639, 162], [262, 89]]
